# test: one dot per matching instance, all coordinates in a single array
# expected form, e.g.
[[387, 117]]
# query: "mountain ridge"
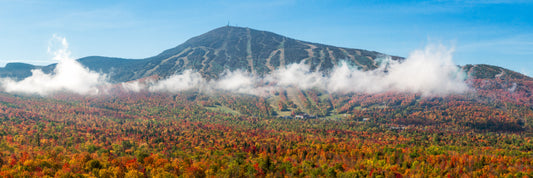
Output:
[[231, 48]]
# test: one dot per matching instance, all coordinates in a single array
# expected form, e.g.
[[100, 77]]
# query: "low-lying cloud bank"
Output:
[[430, 71], [69, 75]]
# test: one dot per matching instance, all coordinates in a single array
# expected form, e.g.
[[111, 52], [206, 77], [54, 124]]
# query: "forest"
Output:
[[486, 133]]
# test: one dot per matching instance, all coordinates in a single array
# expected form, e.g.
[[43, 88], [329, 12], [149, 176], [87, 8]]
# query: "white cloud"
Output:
[[297, 75], [187, 80], [69, 75]]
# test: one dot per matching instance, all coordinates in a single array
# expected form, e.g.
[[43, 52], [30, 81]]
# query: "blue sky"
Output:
[[496, 32]]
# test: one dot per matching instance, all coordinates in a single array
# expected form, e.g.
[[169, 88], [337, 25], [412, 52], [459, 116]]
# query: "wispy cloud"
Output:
[[520, 44]]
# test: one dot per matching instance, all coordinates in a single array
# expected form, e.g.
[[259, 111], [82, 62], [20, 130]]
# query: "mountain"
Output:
[[227, 47], [484, 71], [258, 52], [17, 70], [232, 48]]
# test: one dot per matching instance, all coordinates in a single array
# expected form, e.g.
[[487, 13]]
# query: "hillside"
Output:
[[258, 52]]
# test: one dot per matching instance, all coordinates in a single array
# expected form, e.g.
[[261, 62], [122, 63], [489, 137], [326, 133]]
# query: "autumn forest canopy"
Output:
[[237, 102], [293, 133]]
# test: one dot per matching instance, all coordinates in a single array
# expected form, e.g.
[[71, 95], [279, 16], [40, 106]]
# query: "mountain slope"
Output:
[[484, 71], [258, 52], [17, 70]]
